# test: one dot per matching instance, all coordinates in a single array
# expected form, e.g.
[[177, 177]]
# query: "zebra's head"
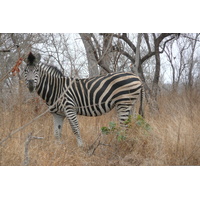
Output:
[[31, 71]]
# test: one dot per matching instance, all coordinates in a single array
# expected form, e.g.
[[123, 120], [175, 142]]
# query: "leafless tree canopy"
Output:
[[162, 60]]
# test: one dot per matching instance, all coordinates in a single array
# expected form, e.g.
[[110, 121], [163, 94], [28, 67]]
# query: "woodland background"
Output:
[[169, 66]]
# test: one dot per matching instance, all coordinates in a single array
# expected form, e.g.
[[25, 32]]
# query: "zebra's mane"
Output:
[[54, 69]]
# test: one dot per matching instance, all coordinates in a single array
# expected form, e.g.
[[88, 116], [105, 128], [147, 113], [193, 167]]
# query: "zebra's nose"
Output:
[[30, 85]]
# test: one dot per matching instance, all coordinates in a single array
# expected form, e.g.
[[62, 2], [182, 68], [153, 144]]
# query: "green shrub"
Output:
[[120, 132]]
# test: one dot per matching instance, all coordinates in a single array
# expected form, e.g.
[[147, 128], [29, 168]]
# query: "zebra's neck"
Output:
[[50, 83]]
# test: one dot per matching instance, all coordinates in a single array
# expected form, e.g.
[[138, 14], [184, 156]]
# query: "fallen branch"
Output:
[[26, 155], [95, 145], [22, 127]]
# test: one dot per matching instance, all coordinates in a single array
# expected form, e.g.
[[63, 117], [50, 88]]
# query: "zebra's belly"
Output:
[[85, 110]]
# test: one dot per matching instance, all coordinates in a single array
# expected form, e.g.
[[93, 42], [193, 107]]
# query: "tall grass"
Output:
[[172, 139]]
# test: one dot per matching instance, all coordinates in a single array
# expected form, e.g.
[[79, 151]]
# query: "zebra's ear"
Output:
[[37, 58]]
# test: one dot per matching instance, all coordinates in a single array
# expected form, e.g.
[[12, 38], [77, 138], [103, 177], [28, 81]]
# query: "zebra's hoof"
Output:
[[80, 144]]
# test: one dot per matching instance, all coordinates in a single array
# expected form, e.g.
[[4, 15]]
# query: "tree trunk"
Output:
[[89, 48], [155, 87], [137, 55], [105, 62], [156, 75]]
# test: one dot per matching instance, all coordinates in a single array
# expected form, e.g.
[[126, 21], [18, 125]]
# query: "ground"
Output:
[[169, 137]]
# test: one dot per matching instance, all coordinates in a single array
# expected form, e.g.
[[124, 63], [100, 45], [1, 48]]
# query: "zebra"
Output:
[[69, 97]]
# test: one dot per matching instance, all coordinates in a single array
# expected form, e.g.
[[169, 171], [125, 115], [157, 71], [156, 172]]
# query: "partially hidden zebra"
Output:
[[69, 97]]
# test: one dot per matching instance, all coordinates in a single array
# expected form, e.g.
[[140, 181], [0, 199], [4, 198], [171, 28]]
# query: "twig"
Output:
[[26, 156], [19, 61], [5, 50], [22, 127], [93, 147]]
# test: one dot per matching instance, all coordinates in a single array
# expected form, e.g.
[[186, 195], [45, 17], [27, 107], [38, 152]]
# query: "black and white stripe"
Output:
[[68, 97]]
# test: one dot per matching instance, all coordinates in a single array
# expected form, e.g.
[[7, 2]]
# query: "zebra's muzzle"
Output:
[[30, 85]]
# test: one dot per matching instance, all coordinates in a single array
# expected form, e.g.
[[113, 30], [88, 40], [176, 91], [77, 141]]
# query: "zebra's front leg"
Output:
[[58, 123], [72, 117]]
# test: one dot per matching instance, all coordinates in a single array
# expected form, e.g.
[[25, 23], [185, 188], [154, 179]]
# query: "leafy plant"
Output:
[[107, 130], [120, 133], [140, 121], [128, 121], [113, 129]]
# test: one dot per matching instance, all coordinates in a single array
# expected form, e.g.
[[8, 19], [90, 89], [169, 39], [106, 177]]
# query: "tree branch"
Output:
[[157, 42], [146, 37], [126, 39], [116, 48], [165, 44], [97, 56], [4, 51]]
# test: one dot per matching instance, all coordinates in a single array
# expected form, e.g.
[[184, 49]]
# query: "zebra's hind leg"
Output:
[[123, 112], [58, 123], [71, 116]]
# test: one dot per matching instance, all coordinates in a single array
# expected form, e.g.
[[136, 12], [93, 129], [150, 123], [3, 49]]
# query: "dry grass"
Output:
[[173, 138]]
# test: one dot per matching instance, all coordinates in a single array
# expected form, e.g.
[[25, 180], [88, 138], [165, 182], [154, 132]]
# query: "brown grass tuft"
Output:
[[173, 138]]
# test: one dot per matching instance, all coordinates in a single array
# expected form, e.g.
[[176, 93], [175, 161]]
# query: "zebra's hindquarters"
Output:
[[125, 104]]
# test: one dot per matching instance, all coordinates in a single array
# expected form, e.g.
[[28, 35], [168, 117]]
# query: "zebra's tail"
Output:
[[141, 109]]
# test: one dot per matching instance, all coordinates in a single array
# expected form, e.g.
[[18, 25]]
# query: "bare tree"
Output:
[[155, 45], [182, 57], [192, 61], [175, 53], [103, 48], [102, 53], [98, 52]]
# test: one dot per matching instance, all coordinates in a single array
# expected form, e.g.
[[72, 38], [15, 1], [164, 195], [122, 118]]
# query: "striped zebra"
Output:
[[69, 97]]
